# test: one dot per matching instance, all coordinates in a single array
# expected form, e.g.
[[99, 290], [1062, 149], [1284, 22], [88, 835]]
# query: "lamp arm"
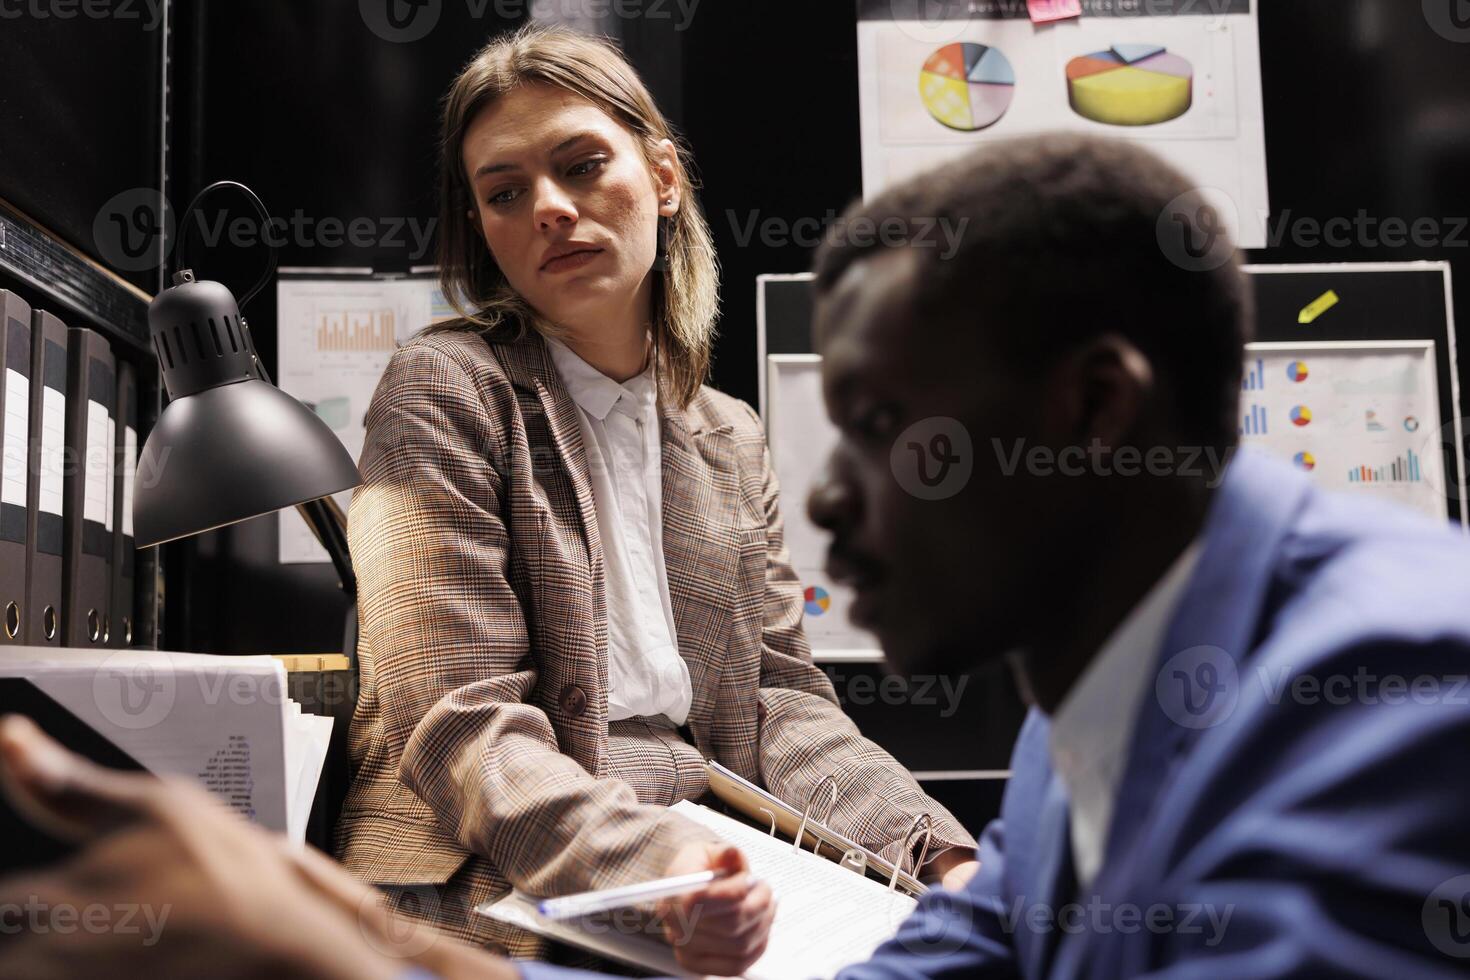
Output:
[[326, 520]]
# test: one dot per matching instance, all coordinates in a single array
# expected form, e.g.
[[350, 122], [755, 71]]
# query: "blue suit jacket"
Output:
[[1297, 798]]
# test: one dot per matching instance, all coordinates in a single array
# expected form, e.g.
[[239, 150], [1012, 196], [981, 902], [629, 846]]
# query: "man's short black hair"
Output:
[[1067, 238]]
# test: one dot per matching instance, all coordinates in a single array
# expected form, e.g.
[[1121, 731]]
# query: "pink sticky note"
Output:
[[1046, 11]]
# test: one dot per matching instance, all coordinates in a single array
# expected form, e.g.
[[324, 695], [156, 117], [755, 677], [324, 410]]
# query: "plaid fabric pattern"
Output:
[[481, 747]]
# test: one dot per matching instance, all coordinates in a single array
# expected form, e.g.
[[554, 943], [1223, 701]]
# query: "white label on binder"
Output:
[[130, 472], [53, 450], [111, 471], [94, 500], [17, 436]]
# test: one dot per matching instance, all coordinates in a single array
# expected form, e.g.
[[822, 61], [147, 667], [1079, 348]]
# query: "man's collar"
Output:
[[1109, 690]]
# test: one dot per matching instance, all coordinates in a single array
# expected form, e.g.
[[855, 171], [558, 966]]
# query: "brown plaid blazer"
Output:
[[482, 753]]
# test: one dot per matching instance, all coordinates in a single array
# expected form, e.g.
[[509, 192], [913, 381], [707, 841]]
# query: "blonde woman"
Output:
[[573, 584]]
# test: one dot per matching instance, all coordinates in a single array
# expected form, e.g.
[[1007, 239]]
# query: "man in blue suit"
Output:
[[1246, 756]]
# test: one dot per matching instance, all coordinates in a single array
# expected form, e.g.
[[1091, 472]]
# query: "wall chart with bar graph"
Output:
[[336, 332], [1360, 416]]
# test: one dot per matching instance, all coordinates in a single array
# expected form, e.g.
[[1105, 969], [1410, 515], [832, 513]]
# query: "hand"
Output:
[[954, 867], [722, 929], [178, 886]]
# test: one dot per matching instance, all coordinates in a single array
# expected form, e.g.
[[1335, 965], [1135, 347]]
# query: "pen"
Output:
[[586, 903]]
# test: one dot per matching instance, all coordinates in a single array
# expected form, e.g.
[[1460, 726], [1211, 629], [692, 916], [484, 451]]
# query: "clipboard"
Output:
[[779, 817], [825, 918]]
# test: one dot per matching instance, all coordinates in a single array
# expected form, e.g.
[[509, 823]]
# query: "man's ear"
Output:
[[1099, 392]]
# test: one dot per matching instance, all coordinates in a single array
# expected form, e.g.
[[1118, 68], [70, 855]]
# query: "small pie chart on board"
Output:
[[1130, 85], [967, 86]]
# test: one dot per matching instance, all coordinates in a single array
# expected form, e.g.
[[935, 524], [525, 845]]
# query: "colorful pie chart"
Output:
[[967, 86], [817, 600], [1297, 371], [1130, 85], [1301, 415], [1306, 461]]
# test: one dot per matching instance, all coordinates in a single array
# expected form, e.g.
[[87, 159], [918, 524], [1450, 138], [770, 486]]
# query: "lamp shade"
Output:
[[229, 445], [230, 453]]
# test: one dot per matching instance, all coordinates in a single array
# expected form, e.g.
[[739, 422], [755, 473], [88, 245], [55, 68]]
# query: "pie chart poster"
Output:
[[1185, 80]]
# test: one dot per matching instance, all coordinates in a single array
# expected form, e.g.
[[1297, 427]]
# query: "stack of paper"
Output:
[[225, 721]]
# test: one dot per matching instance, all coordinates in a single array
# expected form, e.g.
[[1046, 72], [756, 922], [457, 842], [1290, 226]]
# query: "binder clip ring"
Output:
[[770, 813], [928, 831], [806, 812]]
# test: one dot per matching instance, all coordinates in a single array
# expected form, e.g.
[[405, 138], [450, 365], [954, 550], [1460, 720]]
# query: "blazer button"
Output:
[[573, 700]]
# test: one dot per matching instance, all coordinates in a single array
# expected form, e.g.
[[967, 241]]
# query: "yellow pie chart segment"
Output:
[[947, 99], [1128, 87]]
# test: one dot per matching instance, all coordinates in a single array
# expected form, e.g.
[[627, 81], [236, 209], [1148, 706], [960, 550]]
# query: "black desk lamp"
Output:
[[230, 445]]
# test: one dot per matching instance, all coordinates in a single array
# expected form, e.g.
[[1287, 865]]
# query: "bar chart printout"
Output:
[[336, 336], [1404, 469], [1361, 417]]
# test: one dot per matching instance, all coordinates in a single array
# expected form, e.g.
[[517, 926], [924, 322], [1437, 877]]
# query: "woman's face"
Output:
[[552, 173]]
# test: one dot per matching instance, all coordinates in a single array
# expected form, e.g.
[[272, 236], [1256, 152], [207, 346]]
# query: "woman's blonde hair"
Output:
[[685, 296]]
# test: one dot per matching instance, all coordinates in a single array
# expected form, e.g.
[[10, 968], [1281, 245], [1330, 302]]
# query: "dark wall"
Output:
[[81, 119], [1367, 108]]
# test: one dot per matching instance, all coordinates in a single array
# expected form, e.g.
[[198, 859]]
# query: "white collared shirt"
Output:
[[620, 430], [1092, 729]]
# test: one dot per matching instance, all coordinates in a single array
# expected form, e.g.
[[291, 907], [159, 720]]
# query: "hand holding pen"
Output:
[[722, 928]]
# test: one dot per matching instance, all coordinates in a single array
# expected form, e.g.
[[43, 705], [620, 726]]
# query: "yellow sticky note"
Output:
[[1317, 307]]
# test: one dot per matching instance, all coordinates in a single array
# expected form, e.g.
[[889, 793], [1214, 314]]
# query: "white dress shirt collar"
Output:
[[1092, 728], [594, 392]]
